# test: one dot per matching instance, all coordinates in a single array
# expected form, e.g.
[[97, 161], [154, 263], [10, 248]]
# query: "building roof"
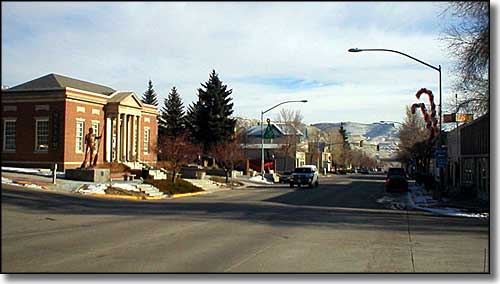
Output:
[[120, 96], [279, 129], [55, 81]]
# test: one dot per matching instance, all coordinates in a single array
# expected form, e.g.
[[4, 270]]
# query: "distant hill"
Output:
[[383, 134]]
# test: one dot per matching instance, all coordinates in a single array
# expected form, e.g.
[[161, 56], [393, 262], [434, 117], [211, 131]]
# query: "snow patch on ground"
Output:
[[97, 188], [260, 179], [7, 180], [34, 186], [421, 200], [42, 172], [126, 186]]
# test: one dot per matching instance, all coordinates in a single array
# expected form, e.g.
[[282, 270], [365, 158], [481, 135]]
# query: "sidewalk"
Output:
[[420, 199], [35, 181], [254, 182], [42, 180]]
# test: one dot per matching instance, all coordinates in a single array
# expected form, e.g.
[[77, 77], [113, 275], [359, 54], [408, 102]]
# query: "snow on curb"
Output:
[[43, 172], [259, 179], [97, 188], [420, 201], [126, 186], [7, 181]]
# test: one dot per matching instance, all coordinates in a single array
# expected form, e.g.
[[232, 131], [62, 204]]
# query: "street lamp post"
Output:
[[440, 102], [262, 131], [418, 60]]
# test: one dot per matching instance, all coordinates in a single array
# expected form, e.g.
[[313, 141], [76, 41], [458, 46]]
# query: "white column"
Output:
[[125, 136], [137, 145], [118, 138], [131, 136], [108, 134], [139, 140]]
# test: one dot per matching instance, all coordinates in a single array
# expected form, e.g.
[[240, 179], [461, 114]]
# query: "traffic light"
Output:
[[378, 147], [361, 143]]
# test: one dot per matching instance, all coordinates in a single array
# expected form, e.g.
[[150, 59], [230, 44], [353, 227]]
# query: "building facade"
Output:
[[468, 168], [285, 151], [44, 121]]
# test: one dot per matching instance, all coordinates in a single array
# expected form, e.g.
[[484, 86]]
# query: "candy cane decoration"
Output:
[[424, 113], [433, 108]]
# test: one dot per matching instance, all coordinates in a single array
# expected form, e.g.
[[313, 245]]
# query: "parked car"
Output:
[[396, 180], [307, 174]]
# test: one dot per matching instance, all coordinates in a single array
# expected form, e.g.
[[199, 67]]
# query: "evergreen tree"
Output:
[[149, 96], [209, 118], [343, 132], [172, 114]]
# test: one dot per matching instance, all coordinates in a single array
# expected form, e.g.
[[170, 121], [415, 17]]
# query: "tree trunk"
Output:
[[173, 176]]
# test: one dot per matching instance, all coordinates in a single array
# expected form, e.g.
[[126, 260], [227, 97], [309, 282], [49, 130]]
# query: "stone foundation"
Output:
[[93, 175]]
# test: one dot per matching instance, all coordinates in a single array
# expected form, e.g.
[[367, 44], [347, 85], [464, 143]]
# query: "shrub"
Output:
[[121, 191], [167, 186], [218, 179], [115, 167]]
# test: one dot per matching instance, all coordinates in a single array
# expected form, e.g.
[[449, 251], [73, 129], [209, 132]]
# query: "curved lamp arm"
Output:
[[395, 51]]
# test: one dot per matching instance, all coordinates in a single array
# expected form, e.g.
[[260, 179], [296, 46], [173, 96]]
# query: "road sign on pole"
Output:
[[441, 158]]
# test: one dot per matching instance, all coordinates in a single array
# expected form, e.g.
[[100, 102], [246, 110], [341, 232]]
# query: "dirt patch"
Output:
[[121, 191]]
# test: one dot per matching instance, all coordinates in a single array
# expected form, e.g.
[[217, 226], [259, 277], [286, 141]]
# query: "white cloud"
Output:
[[122, 45]]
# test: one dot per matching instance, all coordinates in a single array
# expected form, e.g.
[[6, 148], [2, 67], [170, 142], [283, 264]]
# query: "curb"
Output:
[[24, 183], [188, 194], [127, 196], [118, 196]]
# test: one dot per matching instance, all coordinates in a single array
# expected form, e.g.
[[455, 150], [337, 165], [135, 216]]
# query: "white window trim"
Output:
[[37, 119], [96, 132], [83, 135], [146, 150], [4, 136]]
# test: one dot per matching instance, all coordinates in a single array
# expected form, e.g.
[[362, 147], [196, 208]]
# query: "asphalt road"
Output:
[[337, 227]]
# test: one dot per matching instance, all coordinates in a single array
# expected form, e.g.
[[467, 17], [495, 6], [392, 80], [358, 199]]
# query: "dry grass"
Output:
[[180, 186], [115, 167], [121, 191]]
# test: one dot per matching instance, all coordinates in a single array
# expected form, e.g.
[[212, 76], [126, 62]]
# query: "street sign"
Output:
[[441, 158], [268, 134], [449, 118], [464, 117]]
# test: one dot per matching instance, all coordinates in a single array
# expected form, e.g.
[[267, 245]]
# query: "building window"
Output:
[[146, 140], [79, 136], [95, 126], [9, 135], [468, 166], [42, 135]]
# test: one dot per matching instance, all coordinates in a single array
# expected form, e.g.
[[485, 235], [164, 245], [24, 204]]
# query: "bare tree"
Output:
[[176, 152], [315, 139], [292, 120], [469, 41], [335, 143], [228, 155], [411, 134]]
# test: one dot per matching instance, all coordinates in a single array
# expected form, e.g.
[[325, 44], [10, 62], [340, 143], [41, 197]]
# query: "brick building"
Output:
[[44, 121]]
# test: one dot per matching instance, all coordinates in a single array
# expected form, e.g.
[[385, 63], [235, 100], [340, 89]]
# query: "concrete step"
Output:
[[145, 185]]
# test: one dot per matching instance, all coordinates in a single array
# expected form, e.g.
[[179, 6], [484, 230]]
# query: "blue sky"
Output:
[[265, 52]]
